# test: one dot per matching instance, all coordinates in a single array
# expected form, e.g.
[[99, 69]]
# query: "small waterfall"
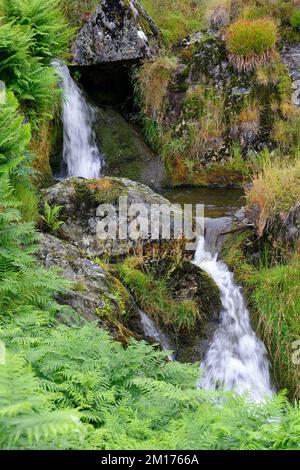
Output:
[[236, 359], [153, 332], [80, 152]]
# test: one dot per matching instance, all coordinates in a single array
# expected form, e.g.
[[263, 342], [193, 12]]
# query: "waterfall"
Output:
[[152, 331], [81, 155], [236, 358]]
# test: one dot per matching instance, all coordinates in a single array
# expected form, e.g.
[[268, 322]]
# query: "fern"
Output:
[[51, 33], [50, 218], [27, 417]]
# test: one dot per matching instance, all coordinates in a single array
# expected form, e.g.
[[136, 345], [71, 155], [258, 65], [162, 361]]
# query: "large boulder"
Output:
[[80, 200], [94, 293], [119, 30]]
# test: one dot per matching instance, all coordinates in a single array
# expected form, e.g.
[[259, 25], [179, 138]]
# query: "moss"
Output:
[[177, 294], [91, 193], [126, 153], [79, 286], [214, 175]]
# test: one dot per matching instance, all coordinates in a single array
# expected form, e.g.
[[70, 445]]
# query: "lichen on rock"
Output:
[[119, 30]]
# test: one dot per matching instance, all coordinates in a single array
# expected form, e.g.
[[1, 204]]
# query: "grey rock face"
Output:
[[80, 200], [291, 58], [92, 287], [120, 30]]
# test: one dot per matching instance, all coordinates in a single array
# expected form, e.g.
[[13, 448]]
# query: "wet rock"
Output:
[[126, 153], [119, 30]]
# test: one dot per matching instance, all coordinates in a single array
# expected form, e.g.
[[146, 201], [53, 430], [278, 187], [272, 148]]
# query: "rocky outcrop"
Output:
[[94, 294], [119, 30], [80, 200], [291, 58]]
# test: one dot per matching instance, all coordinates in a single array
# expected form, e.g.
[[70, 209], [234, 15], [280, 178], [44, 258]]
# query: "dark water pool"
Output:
[[218, 202]]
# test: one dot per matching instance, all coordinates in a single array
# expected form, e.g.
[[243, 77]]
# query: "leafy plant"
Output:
[[51, 217], [50, 31]]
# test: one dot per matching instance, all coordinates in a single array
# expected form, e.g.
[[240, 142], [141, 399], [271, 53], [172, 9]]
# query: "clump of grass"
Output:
[[295, 19], [286, 133], [275, 190], [176, 18], [153, 295], [152, 81], [276, 298], [83, 8], [246, 125], [206, 130], [251, 43], [274, 73]]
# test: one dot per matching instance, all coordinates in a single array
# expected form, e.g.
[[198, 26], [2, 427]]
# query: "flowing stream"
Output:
[[81, 155], [152, 331], [236, 358]]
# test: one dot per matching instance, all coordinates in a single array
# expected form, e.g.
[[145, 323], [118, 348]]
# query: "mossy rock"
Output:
[[126, 153], [92, 193]]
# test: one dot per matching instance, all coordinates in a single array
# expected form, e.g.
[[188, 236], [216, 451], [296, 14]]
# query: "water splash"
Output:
[[153, 332], [81, 155], [236, 359]]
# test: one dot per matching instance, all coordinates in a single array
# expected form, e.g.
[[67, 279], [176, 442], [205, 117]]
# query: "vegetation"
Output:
[[251, 43], [175, 18], [64, 383], [295, 19], [269, 195], [155, 298]]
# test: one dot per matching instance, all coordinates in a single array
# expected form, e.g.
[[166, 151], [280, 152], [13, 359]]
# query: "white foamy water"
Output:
[[152, 331], [236, 359], [81, 155]]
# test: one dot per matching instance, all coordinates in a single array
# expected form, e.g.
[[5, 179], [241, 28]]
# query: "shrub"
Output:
[[295, 19], [251, 43]]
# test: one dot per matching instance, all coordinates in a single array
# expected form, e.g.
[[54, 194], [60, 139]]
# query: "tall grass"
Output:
[[176, 18], [251, 43], [275, 190]]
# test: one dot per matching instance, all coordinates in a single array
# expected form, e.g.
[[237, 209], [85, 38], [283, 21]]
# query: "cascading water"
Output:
[[80, 152], [152, 331], [236, 359]]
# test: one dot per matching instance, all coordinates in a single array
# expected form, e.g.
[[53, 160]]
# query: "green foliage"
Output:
[[295, 19], [276, 296], [27, 415], [155, 298], [15, 44], [176, 18], [50, 31], [251, 43], [31, 32], [14, 136], [51, 218]]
